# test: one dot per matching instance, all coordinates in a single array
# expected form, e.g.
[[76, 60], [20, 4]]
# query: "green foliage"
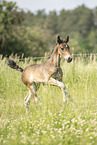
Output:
[[35, 33], [25, 40], [49, 121], [9, 15], [84, 15], [92, 40], [16, 38]]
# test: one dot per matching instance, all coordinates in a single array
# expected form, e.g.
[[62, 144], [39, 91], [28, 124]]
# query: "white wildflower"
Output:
[[91, 137], [73, 120]]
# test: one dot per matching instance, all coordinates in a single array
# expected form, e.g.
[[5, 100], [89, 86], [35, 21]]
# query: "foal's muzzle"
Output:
[[69, 59]]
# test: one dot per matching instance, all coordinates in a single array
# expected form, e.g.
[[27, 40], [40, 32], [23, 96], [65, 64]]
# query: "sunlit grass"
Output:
[[49, 121]]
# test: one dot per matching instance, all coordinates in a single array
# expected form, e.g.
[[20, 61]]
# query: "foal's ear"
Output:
[[67, 39], [59, 39]]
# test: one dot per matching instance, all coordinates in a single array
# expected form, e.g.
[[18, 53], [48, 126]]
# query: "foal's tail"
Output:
[[13, 65]]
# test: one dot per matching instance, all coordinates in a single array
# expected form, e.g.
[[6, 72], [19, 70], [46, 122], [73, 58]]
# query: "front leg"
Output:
[[55, 82]]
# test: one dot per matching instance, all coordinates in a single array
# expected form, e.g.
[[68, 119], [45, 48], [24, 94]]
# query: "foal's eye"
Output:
[[62, 48]]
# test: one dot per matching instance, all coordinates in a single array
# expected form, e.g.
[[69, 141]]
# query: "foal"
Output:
[[48, 72]]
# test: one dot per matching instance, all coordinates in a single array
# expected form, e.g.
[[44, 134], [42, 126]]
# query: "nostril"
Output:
[[69, 59]]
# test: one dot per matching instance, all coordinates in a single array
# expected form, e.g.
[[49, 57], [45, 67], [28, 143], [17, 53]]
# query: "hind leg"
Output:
[[32, 91], [33, 88], [27, 100]]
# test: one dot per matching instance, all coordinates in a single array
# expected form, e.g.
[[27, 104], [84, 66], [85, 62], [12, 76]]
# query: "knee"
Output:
[[62, 86]]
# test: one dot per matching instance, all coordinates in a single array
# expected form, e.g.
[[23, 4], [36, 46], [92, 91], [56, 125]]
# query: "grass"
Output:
[[50, 122]]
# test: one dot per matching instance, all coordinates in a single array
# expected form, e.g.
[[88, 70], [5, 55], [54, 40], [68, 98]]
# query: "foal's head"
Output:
[[63, 48]]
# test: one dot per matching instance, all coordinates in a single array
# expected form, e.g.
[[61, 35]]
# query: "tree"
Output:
[[15, 38], [52, 22], [9, 17], [35, 33], [92, 41], [85, 20]]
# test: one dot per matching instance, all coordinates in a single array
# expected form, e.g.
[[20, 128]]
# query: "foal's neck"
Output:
[[55, 57]]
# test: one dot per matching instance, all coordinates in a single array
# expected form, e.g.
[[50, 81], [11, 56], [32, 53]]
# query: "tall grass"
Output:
[[51, 121]]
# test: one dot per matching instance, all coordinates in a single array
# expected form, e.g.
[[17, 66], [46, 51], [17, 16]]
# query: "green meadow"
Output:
[[50, 121]]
